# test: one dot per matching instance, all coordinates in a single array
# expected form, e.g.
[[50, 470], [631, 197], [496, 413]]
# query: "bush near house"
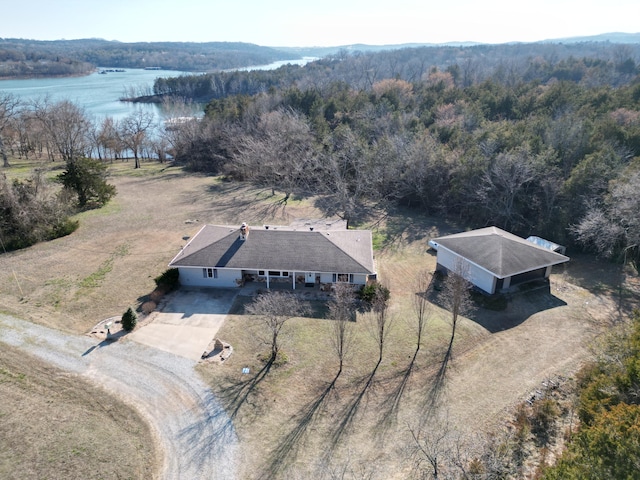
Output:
[[169, 279], [129, 320]]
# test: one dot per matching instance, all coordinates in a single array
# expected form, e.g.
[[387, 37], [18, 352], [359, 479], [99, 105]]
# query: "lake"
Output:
[[99, 94]]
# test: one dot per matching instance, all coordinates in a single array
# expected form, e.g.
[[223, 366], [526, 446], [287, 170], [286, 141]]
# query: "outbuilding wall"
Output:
[[476, 275]]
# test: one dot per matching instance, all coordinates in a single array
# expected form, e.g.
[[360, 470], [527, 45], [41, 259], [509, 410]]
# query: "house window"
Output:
[[276, 273], [210, 272], [342, 277], [261, 272]]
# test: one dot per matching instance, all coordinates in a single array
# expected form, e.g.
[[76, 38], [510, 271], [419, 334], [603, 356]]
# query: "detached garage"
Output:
[[495, 259]]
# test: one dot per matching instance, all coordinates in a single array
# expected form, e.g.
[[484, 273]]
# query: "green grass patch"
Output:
[[379, 239], [96, 278]]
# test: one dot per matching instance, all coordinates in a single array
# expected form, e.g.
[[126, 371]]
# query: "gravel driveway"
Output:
[[196, 436]]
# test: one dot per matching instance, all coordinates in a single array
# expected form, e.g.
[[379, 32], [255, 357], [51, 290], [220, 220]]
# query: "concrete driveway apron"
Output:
[[188, 322]]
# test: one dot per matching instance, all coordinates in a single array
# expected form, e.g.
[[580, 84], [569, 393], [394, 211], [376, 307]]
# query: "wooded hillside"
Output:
[[33, 58]]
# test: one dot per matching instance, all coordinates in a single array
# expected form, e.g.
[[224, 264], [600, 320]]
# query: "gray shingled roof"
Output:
[[500, 252], [346, 251]]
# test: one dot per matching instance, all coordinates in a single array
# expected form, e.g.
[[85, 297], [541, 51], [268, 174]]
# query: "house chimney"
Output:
[[311, 229], [244, 231]]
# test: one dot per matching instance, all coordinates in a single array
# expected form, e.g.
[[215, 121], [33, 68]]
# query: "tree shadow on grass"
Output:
[[434, 394], [234, 396], [287, 450], [237, 202], [391, 404], [349, 414]]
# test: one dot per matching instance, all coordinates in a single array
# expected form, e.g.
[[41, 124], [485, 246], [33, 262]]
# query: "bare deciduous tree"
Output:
[[504, 186], [342, 308], [615, 226], [66, 126], [134, 130], [279, 153], [431, 450], [381, 318], [9, 106], [274, 310], [456, 296], [421, 306]]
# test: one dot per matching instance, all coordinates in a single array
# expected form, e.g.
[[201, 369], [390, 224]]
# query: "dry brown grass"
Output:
[[55, 425], [110, 262]]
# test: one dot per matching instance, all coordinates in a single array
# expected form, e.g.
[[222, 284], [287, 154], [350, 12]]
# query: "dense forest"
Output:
[[586, 63], [33, 58]]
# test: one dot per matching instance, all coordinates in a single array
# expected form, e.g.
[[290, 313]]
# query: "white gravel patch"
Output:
[[196, 435]]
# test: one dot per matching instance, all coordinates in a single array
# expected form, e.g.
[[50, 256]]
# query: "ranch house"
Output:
[[306, 254]]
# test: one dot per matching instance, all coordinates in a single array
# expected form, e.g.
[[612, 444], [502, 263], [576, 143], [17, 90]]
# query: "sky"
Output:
[[301, 23]]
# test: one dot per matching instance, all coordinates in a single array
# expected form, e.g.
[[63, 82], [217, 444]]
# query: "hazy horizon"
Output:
[[285, 23]]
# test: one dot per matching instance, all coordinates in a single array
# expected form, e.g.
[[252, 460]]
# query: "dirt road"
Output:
[[192, 430]]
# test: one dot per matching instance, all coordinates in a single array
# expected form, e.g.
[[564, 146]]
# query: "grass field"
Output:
[[54, 425], [290, 423]]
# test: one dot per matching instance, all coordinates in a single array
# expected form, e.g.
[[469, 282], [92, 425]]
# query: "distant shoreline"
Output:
[[32, 77]]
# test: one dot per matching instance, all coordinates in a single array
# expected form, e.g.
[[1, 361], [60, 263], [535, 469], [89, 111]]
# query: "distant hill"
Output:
[[38, 58], [31, 58], [616, 37]]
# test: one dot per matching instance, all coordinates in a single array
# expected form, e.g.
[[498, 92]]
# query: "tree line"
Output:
[[589, 63]]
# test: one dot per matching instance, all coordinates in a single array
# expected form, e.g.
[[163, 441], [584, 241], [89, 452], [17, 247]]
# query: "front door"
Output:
[[310, 277]]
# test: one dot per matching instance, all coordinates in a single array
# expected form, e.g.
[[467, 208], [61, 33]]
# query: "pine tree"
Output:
[[129, 320]]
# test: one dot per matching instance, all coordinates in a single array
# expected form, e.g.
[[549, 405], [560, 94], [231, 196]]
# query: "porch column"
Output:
[[267, 280], [294, 280]]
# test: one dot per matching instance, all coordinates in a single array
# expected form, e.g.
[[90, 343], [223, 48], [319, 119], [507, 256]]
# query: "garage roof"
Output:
[[501, 253]]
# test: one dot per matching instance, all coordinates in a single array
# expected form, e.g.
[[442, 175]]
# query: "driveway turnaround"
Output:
[[188, 322]]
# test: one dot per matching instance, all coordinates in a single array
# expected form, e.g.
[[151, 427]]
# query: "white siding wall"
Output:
[[359, 279], [326, 278], [478, 276], [193, 277]]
